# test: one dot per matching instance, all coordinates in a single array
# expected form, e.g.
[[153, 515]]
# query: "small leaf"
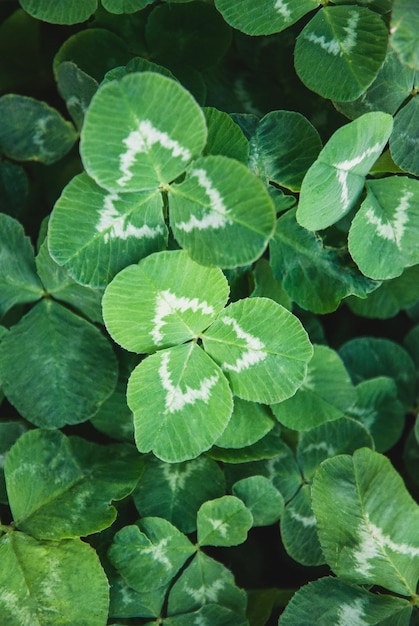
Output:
[[31, 130], [249, 422], [334, 182], [150, 553], [181, 403], [350, 42], [263, 500], [403, 29], [76, 88], [159, 130], [265, 448], [404, 142], [215, 205], [365, 522], [48, 583], [73, 377], [61, 487], [262, 348], [299, 530], [224, 521]]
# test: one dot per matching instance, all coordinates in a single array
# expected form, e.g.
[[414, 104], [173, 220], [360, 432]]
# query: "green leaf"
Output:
[[75, 366], [366, 521], [125, 6], [14, 188], [383, 235], [48, 583], [60, 11], [176, 491], [369, 357], [332, 601], [249, 422], [181, 403], [224, 521], [262, 348], [60, 487], [150, 553], [203, 582], [165, 300], [114, 417], [266, 286], [263, 500], [315, 275], [404, 143], [299, 530], [76, 88], [94, 233], [19, 282], [30, 130], [126, 602], [325, 394], [150, 142], [404, 28], [380, 411], [349, 42], [266, 17], [334, 182], [225, 137], [215, 206], [283, 147], [265, 448], [9, 433], [208, 615]]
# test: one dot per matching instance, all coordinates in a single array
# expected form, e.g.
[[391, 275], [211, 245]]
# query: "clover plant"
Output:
[[209, 312]]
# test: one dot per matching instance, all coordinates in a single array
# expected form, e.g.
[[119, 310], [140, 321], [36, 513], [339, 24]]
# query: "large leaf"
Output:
[[224, 521], [165, 300], [334, 182], [31, 130], [404, 30], [49, 583], [262, 348], [75, 366], [325, 395], [158, 131], [181, 402], [384, 233], [404, 142], [367, 522], [213, 216], [94, 233], [315, 275], [60, 11], [150, 553], [266, 17], [61, 487], [349, 42], [18, 280]]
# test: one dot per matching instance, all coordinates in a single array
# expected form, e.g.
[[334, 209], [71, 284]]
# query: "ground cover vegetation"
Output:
[[209, 312]]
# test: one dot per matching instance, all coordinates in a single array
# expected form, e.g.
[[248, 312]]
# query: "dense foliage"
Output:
[[209, 312]]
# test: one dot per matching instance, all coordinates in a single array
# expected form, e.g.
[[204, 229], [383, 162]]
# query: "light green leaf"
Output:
[[263, 500], [60, 487], [203, 582], [332, 601], [283, 147], [73, 377], [175, 491], [60, 11], [380, 411], [299, 530], [334, 182], [59, 284], [165, 300], [265, 18], [125, 6], [404, 31], [76, 88], [94, 233], [181, 403], [150, 553], [249, 422], [349, 42], [19, 282], [262, 348], [48, 583], [9, 433], [265, 448], [14, 188], [212, 213], [384, 233], [315, 275], [404, 142], [225, 137], [224, 521], [30, 130], [158, 131], [208, 615], [325, 394], [366, 522]]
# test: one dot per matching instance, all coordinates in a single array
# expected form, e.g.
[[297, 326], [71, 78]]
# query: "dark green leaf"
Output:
[[404, 142], [60, 11]]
